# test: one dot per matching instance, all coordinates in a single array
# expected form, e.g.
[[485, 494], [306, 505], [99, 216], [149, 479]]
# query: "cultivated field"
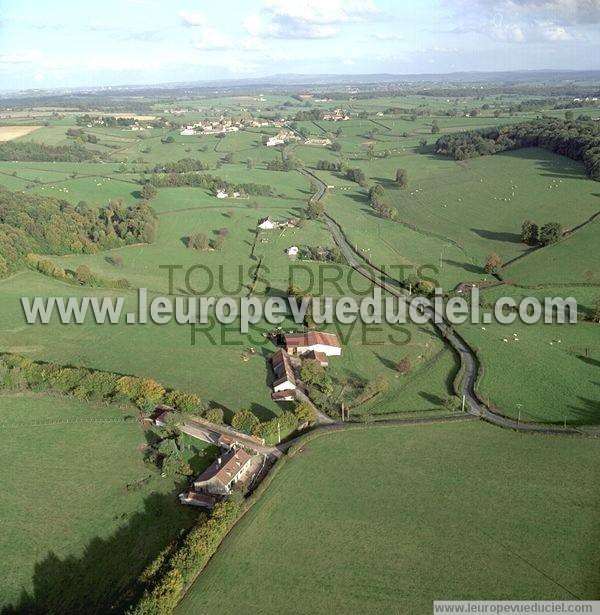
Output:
[[8, 133]]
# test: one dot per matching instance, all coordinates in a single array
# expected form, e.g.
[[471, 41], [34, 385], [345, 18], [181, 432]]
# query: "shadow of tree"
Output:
[[436, 400], [105, 577], [465, 265], [498, 235]]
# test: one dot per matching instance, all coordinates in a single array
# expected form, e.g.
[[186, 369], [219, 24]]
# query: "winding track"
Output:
[[468, 358]]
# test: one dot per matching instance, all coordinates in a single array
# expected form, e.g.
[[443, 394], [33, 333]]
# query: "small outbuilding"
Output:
[[317, 341]]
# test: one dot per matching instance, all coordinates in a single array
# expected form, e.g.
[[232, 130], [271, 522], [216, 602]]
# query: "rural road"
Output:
[[210, 432], [468, 359]]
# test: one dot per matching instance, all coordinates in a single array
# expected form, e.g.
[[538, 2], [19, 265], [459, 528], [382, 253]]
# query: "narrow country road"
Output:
[[468, 359]]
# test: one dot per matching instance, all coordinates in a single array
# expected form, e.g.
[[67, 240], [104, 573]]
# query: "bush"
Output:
[[550, 233], [245, 421], [214, 415]]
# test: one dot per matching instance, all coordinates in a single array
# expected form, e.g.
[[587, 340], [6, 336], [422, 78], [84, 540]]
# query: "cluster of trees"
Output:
[[321, 254], [596, 312], [377, 202], [166, 451], [309, 115], [29, 151], [402, 178], [184, 165], [210, 182], [282, 425], [533, 235], [357, 175], [328, 165], [493, 263], [315, 209], [78, 133], [289, 163], [83, 275], [110, 121], [21, 373], [47, 225], [575, 139], [201, 243]]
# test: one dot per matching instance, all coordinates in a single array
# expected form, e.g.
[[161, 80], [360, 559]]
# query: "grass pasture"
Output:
[[557, 375], [82, 514], [391, 518]]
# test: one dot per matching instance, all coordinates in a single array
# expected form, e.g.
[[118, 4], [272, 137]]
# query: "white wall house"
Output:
[[266, 224]]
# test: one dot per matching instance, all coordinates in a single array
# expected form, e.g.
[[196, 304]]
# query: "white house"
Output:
[[266, 224], [187, 132], [292, 251], [222, 194], [275, 141]]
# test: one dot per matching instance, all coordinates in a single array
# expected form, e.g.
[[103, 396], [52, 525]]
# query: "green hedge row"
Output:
[[167, 577], [20, 373]]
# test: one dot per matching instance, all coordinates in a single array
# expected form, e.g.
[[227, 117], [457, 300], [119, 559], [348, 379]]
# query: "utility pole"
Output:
[[278, 432]]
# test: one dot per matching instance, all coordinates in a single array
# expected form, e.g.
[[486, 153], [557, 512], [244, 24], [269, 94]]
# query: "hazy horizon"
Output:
[[143, 42]]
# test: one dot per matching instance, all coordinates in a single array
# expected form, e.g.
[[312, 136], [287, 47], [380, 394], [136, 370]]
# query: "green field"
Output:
[[558, 371], [391, 518], [82, 514]]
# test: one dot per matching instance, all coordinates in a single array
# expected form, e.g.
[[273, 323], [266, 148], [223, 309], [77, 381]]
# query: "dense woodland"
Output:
[[579, 140], [47, 225], [30, 151]]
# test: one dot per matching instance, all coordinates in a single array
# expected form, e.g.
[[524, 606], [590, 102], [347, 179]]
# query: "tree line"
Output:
[[30, 151], [578, 140], [205, 180]]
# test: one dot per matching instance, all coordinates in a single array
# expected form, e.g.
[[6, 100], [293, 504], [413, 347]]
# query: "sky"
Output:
[[75, 43]]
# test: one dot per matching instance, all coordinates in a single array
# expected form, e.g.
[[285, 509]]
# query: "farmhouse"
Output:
[[220, 477], [293, 251], [337, 115], [315, 141], [282, 137], [272, 141], [316, 341], [267, 223], [285, 378]]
